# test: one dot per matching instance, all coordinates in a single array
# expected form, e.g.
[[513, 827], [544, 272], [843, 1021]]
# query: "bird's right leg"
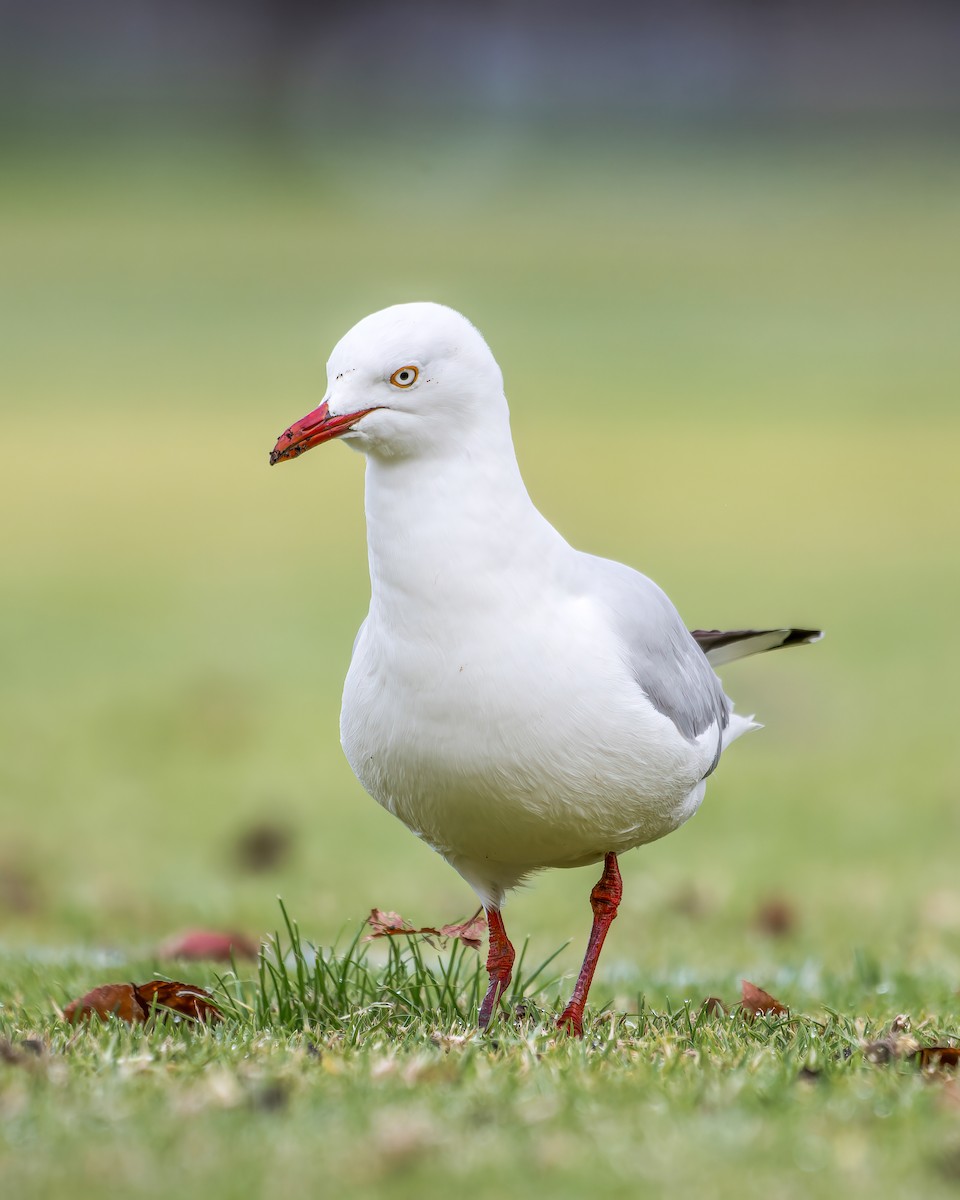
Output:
[[499, 965], [604, 900]]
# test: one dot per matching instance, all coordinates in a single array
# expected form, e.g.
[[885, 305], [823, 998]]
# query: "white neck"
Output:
[[443, 525]]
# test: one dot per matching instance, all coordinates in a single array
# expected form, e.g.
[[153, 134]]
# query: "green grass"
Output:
[[301, 987], [732, 362], [363, 1073]]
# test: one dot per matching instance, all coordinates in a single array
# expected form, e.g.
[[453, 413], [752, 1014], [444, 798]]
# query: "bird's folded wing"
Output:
[[665, 659]]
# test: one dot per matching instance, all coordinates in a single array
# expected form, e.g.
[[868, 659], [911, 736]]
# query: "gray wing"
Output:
[[665, 659]]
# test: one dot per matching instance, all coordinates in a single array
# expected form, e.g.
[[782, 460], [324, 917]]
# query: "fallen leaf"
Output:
[[386, 924], [390, 924], [182, 998], [758, 1003], [133, 1004], [110, 999], [713, 1006], [470, 932], [776, 917], [264, 846], [932, 1057], [209, 944]]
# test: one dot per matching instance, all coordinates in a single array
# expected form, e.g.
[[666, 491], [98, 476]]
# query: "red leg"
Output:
[[499, 965], [604, 900]]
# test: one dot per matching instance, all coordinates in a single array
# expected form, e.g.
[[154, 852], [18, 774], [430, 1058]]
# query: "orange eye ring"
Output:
[[404, 377]]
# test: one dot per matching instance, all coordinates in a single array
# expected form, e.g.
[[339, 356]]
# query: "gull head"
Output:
[[408, 380]]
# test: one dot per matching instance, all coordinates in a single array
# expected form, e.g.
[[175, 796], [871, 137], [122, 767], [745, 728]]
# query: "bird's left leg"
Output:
[[499, 965], [604, 900]]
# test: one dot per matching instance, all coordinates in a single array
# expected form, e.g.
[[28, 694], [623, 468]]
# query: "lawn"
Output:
[[732, 362]]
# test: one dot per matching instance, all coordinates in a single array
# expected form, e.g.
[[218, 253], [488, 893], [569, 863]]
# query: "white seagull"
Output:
[[518, 704]]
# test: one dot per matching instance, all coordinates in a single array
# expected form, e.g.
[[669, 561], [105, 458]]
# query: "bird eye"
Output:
[[404, 377]]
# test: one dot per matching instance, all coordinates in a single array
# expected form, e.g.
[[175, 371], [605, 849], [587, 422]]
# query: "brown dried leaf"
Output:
[[183, 998], [264, 846], [209, 944], [386, 924], [756, 1002], [133, 1004], [470, 932], [776, 917], [110, 999], [713, 1006], [934, 1057], [390, 924]]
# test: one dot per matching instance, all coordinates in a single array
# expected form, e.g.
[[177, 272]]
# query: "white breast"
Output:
[[489, 704], [524, 745]]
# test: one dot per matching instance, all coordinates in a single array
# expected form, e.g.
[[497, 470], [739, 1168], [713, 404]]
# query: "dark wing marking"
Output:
[[722, 646]]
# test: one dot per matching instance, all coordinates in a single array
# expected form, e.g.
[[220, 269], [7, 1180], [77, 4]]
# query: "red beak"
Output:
[[313, 429]]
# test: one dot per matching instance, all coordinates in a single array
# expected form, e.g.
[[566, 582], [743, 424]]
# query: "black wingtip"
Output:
[[722, 646], [802, 637]]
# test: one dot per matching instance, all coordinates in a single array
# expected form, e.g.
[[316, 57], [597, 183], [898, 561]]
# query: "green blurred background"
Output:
[[727, 314]]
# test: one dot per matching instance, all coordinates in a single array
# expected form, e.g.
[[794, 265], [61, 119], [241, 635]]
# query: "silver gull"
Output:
[[517, 703]]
